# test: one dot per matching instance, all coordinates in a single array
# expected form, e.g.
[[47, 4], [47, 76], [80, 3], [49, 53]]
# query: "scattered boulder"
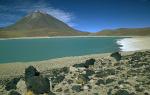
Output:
[[101, 74], [82, 79], [13, 93], [109, 80], [76, 88], [12, 84], [58, 79], [100, 81], [139, 88], [116, 55], [89, 72], [86, 64], [59, 90], [109, 92], [65, 70], [30, 72], [95, 94], [122, 92], [90, 62], [66, 91], [79, 65], [69, 81], [35, 82], [146, 93], [38, 84], [111, 71]]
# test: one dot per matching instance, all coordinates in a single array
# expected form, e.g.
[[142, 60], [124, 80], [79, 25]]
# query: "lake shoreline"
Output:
[[60, 37], [17, 68]]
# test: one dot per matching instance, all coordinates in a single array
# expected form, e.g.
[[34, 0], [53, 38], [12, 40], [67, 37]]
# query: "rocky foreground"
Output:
[[125, 75]]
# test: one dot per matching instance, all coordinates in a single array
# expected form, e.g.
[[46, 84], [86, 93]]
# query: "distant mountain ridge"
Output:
[[39, 24], [125, 32]]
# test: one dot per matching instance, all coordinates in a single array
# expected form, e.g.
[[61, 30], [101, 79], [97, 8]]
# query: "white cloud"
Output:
[[62, 15], [59, 14]]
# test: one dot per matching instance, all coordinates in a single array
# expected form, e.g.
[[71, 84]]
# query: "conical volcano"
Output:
[[39, 24]]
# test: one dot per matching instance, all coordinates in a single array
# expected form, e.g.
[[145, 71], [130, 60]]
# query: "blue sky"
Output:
[[85, 15]]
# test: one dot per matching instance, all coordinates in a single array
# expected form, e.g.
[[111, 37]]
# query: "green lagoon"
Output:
[[22, 50]]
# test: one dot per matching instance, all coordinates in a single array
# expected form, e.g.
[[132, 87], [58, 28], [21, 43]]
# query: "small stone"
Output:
[[59, 90], [12, 84], [116, 55], [76, 88], [122, 92], [13, 93], [100, 81]]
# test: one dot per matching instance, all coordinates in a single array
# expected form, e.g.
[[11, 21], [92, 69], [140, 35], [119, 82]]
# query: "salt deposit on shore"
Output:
[[134, 43]]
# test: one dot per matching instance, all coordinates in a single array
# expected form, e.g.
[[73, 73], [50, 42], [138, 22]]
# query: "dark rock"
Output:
[[139, 88], [12, 84], [59, 90], [137, 65], [38, 84], [79, 65], [65, 70], [121, 82], [109, 92], [30, 72], [83, 79], [101, 74], [116, 55], [13, 93], [86, 64], [109, 80], [111, 71], [66, 91], [100, 81], [116, 87], [58, 79], [70, 81], [122, 92], [90, 62], [89, 72], [95, 94], [146, 93], [133, 93], [76, 88]]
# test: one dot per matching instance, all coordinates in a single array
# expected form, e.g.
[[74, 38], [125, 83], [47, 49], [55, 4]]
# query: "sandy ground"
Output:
[[134, 43]]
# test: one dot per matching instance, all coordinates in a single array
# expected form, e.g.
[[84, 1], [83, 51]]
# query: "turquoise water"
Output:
[[19, 50]]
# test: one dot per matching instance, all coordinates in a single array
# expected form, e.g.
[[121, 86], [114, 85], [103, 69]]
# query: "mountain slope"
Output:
[[125, 32], [38, 24]]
